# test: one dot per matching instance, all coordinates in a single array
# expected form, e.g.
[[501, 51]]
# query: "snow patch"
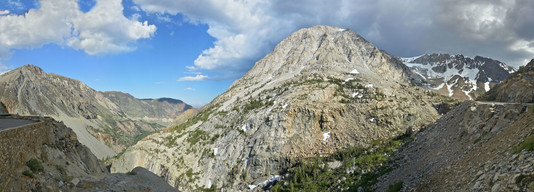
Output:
[[372, 119], [349, 79], [410, 59], [369, 86], [215, 150], [272, 179], [244, 128], [251, 187], [354, 72], [486, 86], [284, 106], [439, 87], [326, 135]]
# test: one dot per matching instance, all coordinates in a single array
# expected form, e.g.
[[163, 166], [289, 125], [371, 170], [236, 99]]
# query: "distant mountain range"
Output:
[[106, 122], [458, 76]]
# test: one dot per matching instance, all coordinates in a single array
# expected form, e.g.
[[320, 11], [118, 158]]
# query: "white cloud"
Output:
[[247, 30], [189, 89], [104, 29], [193, 78], [4, 12]]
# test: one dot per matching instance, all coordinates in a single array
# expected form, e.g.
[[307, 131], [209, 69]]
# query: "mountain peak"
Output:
[[30, 68], [326, 52]]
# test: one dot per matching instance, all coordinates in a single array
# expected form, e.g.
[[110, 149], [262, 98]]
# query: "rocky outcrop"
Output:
[[518, 88], [104, 122], [53, 146], [458, 76], [322, 89], [472, 148], [46, 156]]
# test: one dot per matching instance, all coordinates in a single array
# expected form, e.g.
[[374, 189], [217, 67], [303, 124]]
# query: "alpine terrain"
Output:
[[479, 146], [323, 90], [458, 76], [106, 122]]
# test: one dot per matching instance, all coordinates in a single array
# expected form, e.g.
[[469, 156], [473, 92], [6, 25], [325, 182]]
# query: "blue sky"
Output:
[[193, 50]]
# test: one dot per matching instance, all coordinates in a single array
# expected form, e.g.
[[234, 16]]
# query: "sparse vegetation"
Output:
[[361, 168], [28, 173], [131, 173], [196, 136], [527, 145], [35, 165], [395, 187]]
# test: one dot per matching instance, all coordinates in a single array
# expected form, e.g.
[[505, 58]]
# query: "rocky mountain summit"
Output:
[[321, 90], [479, 146], [105, 122], [458, 76]]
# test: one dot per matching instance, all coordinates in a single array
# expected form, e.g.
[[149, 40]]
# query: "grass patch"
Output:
[[395, 187], [35, 165], [527, 145], [28, 173]]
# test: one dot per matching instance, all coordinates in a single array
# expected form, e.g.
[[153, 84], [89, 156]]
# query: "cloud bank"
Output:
[[104, 29], [247, 30]]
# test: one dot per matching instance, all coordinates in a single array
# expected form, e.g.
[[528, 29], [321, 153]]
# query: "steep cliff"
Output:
[[101, 120], [321, 90]]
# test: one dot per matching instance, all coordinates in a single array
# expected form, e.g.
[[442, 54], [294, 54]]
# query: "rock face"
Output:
[[46, 156], [322, 89], [479, 146], [105, 122], [472, 148], [458, 76], [54, 146], [518, 88]]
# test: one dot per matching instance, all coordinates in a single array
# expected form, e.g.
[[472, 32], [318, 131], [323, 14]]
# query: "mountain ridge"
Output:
[[458, 76], [29, 90]]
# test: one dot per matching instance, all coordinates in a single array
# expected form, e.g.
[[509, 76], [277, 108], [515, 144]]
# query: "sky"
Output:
[[193, 50]]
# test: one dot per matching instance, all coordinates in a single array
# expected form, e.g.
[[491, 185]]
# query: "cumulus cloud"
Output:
[[247, 30], [104, 29], [193, 78]]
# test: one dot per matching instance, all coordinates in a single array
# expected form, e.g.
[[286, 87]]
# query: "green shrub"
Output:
[[531, 186], [28, 173], [131, 173], [528, 144], [395, 187], [35, 165]]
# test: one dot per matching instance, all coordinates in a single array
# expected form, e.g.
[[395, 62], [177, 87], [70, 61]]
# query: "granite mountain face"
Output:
[[105, 122], [458, 76], [322, 89]]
